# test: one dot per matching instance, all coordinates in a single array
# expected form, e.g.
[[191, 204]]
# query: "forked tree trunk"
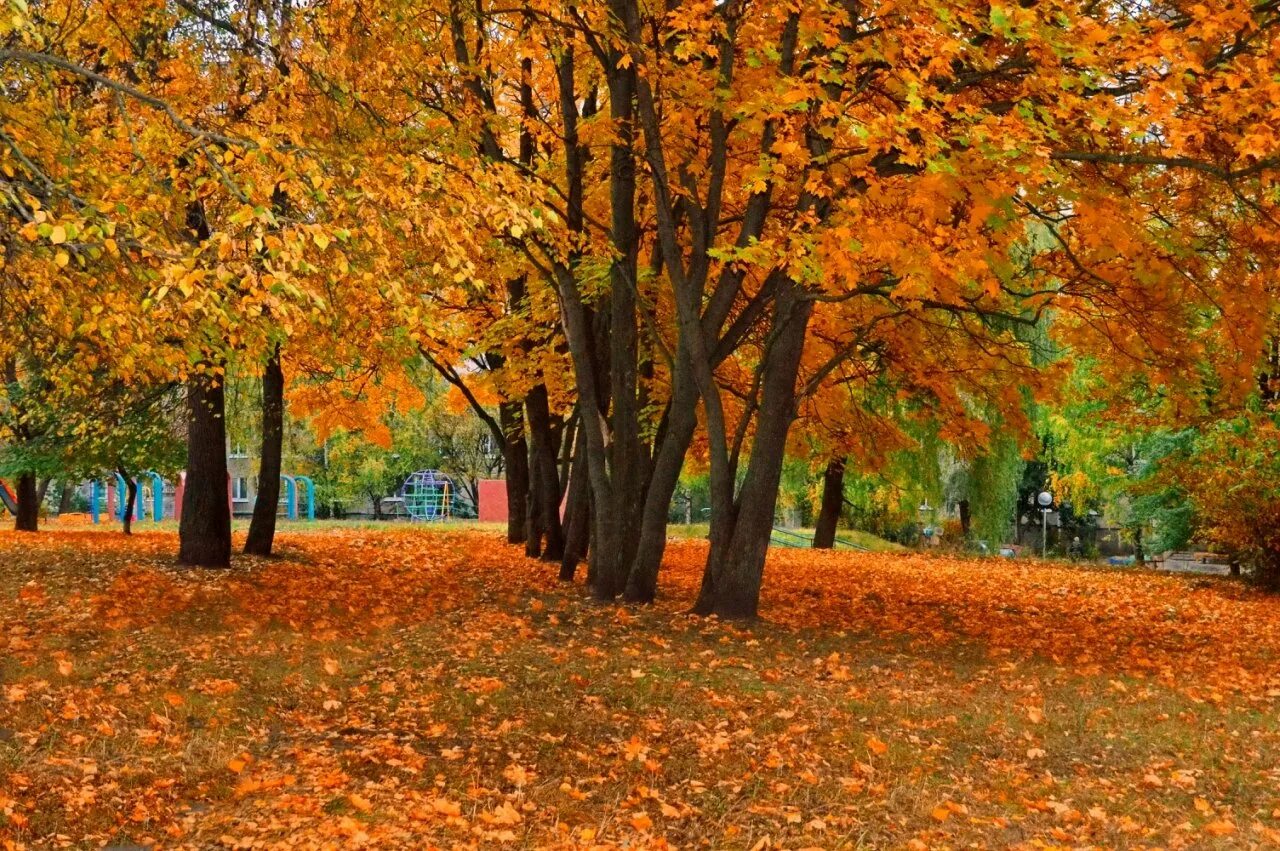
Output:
[[130, 500], [824, 534], [266, 504], [28, 517], [515, 457], [735, 563], [205, 529]]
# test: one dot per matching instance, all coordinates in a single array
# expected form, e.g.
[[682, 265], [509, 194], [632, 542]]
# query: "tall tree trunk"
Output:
[[577, 515], [735, 563], [966, 518], [204, 532], [28, 517], [824, 534], [533, 512], [544, 451], [65, 497], [266, 504], [515, 456], [664, 477], [130, 500]]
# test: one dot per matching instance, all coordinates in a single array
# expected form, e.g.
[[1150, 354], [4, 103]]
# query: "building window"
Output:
[[240, 489], [238, 452]]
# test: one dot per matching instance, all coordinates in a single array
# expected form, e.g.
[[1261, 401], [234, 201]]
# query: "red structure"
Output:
[[492, 495]]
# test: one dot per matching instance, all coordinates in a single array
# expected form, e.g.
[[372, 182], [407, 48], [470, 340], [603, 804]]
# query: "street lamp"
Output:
[[924, 510], [1046, 502]]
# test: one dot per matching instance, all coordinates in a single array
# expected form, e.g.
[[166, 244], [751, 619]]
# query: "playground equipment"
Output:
[[112, 494], [428, 495], [6, 496]]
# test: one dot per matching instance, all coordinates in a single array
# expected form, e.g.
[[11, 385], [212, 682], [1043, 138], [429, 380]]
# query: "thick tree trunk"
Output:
[[515, 456], [262, 529], [966, 518], [824, 534], [577, 516], [205, 530], [130, 501], [28, 516]]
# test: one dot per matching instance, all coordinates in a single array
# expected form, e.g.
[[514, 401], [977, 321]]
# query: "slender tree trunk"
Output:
[[966, 518], [577, 516], [682, 421], [130, 499], [28, 516], [824, 534], [533, 513], [515, 456], [266, 504], [546, 479], [205, 530], [65, 496]]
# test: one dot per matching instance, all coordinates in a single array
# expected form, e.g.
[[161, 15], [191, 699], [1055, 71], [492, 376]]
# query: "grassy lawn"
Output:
[[418, 687]]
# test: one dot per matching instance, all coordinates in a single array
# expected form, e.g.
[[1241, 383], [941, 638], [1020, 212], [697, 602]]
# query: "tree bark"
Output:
[[262, 528], [735, 564], [515, 456], [205, 530], [965, 518], [130, 500], [65, 496], [824, 533], [546, 480], [577, 516], [682, 421], [28, 517], [533, 513]]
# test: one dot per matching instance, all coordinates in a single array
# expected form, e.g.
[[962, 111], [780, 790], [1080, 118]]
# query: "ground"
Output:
[[432, 688]]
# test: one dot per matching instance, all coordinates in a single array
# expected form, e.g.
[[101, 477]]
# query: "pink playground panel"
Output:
[[492, 495]]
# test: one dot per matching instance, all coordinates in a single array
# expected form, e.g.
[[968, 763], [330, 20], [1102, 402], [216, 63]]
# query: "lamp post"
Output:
[[924, 510], [1046, 501]]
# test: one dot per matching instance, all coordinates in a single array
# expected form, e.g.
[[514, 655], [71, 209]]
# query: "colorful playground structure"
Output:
[[158, 500]]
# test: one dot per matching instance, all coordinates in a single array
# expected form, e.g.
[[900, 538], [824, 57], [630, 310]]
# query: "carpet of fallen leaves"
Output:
[[409, 688]]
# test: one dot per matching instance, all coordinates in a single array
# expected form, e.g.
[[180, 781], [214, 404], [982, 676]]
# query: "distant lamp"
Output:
[[1045, 499]]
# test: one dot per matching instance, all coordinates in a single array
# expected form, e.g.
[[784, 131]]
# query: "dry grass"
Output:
[[420, 688]]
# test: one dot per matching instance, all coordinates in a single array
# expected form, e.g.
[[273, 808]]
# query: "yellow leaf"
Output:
[[58, 235], [62, 258]]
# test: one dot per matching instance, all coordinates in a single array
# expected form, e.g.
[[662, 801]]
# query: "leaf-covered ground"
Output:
[[428, 688]]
